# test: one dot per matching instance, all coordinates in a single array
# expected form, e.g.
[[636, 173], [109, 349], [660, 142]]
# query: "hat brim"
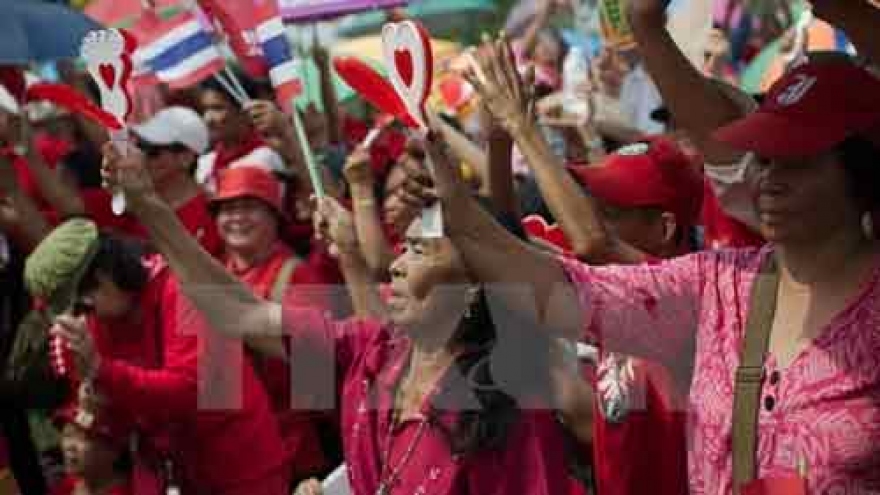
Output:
[[606, 184], [773, 136], [230, 195]]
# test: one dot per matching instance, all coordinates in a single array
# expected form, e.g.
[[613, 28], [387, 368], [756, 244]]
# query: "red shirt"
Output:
[[645, 450], [369, 359], [299, 429], [68, 485], [170, 376], [194, 215]]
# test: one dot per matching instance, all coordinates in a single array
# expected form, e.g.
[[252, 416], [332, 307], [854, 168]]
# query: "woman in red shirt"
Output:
[[249, 213], [433, 399]]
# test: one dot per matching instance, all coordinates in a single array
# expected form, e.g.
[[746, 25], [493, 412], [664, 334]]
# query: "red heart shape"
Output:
[[536, 227], [108, 74], [403, 62], [372, 87]]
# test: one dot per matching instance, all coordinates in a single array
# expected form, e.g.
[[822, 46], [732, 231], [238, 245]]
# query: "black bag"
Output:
[[28, 380]]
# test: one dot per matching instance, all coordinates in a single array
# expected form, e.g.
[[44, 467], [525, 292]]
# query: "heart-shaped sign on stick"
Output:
[[107, 54], [406, 47]]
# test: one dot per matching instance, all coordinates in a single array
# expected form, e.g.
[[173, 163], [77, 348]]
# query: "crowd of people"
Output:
[[645, 280]]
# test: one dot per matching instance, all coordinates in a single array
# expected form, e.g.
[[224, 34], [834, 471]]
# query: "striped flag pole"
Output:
[[283, 72]]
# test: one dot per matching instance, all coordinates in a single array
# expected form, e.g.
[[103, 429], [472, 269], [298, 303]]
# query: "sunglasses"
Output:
[[154, 150]]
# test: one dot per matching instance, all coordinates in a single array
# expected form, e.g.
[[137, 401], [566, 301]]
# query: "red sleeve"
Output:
[[97, 204], [136, 391]]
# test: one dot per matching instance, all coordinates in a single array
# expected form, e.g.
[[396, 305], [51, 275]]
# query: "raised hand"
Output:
[[647, 12], [73, 333], [358, 171], [309, 487], [268, 119], [335, 225], [493, 74], [127, 173]]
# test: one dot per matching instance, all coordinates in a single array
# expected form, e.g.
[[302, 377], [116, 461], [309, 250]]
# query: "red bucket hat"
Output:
[[816, 106], [652, 173], [245, 181]]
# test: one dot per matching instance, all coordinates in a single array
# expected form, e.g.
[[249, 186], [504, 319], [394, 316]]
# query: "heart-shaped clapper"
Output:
[[406, 48]]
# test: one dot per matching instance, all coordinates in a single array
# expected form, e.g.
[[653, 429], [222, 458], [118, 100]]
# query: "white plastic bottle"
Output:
[[575, 72]]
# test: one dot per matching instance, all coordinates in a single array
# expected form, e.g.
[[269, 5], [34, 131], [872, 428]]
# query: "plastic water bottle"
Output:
[[574, 74]]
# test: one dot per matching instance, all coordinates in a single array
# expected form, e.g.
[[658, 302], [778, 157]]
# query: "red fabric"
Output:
[[299, 429], [722, 231], [162, 373], [52, 150], [655, 173], [812, 108], [368, 360], [67, 486], [252, 182], [194, 215], [647, 452]]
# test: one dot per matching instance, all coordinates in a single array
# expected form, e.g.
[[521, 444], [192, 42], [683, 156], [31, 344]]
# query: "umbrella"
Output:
[[447, 18], [38, 31], [124, 13], [295, 11]]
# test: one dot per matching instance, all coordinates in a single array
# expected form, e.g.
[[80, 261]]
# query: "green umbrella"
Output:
[[450, 19]]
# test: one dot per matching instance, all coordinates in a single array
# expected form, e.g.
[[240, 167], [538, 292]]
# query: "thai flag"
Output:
[[283, 68], [179, 52]]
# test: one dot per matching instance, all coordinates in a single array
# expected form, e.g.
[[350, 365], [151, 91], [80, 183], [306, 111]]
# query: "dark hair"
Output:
[[251, 86], [860, 159], [121, 260], [523, 368]]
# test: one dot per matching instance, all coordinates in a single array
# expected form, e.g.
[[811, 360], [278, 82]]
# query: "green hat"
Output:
[[53, 271]]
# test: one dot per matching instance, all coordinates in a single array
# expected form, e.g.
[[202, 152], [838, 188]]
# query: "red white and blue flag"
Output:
[[178, 52], [271, 35]]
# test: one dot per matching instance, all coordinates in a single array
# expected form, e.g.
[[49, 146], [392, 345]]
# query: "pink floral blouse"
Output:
[[821, 413]]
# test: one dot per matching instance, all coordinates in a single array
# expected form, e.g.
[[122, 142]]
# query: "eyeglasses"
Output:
[[154, 150]]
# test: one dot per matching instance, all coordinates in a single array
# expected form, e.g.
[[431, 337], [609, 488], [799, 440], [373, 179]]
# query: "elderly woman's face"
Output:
[[429, 286], [802, 200]]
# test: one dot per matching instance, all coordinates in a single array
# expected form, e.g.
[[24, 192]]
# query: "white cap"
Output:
[[263, 157], [175, 125]]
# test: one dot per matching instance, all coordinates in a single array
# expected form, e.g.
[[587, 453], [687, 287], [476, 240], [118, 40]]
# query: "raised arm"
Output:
[[336, 225], [576, 213], [374, 246], [328, 93], [229, 306], [697, 105]]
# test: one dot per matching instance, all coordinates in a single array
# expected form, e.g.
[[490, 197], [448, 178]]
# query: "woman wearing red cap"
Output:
[[812, 292], [249, 213], [422, 405]]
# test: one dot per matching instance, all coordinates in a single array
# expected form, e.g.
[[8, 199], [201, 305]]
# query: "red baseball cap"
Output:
[[651, 173], [816, 106], [246, 181]]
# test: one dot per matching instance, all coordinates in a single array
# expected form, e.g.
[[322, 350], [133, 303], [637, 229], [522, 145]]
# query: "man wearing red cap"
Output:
[[249, 212]]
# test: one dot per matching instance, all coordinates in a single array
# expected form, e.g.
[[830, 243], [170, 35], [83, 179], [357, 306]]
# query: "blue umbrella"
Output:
[[38, 31]]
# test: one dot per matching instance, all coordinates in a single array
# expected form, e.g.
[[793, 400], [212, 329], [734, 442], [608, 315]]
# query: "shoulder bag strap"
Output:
[[749, 374]]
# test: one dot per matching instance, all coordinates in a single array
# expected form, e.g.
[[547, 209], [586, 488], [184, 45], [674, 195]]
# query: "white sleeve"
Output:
[[732, 185]]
